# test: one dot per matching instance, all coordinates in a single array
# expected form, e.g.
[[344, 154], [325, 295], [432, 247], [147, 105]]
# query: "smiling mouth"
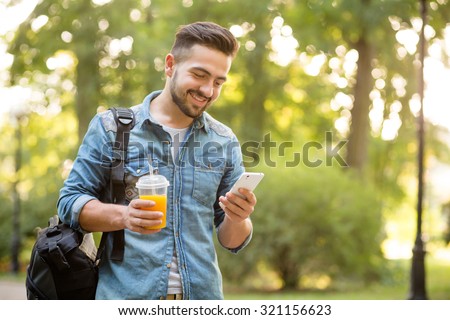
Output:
[[199, 97]]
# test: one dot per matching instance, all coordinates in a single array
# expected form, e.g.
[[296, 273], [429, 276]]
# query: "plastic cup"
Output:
[[154, 187]]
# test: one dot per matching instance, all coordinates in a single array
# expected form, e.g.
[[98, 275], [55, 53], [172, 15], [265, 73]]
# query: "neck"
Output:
[[167, 113]]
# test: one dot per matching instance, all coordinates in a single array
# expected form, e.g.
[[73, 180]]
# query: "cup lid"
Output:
[[152, 181]]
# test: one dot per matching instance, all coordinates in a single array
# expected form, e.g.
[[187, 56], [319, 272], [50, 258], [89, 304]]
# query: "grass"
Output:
[[437, 283], [396, 288]]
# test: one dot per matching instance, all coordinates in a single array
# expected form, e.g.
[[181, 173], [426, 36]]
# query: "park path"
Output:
[[12, 290]]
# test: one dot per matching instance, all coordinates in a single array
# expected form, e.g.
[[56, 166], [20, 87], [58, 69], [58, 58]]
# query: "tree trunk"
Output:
[[86, 99], [257, 87], [287, 269], [87, 71], [359, 128]]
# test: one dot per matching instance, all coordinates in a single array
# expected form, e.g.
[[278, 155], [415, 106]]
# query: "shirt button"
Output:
[[168, 266], [138, 171]]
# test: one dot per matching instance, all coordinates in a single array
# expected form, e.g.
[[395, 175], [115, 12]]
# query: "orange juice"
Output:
[[160, 205]]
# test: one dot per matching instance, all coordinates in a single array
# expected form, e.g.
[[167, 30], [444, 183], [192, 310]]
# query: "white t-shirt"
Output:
[[178, 136]]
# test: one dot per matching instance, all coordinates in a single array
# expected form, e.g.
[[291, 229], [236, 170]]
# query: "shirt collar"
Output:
[[199, 123], [146, 107]]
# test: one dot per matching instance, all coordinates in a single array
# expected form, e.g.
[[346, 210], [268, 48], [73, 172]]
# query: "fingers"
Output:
[[140, 218], [142, 204], [248, 195], [235, 207]]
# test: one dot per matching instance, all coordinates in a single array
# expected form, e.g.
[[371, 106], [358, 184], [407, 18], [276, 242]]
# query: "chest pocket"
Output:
[[207, 176], [135, 167]]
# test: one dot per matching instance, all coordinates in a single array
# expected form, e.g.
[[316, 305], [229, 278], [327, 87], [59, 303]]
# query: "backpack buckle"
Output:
[[124, 117]]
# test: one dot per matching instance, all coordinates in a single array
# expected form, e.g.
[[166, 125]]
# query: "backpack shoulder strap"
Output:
[[124, 118]]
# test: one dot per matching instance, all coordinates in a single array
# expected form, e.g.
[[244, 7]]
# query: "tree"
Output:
[[344, 65], [308, 227], [357, 25], [97, 41]]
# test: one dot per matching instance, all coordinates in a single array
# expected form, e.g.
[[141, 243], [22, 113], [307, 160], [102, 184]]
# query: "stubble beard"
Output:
[[180, 100]]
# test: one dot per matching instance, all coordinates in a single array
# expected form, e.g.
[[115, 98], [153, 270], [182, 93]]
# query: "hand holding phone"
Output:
[[248, 180]]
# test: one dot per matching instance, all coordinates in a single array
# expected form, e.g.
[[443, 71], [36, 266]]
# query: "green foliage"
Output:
[[46, 143], [334, 220], [312, 222]]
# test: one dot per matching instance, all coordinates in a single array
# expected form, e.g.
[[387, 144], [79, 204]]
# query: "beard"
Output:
[[180, 99]]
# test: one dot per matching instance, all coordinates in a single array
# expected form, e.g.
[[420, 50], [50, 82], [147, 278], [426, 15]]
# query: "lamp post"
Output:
[[417, 286], [18, 111], [15, 241]]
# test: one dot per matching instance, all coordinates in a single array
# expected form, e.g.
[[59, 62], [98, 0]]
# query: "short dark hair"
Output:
[[206, 34]]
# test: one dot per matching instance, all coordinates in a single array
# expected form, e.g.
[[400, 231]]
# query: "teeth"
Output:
[[197, 97]]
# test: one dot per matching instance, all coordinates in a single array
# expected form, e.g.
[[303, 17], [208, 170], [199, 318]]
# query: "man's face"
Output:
[[196, 82]]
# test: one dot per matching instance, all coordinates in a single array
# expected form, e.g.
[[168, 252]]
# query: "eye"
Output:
[[199, 75], [219, 83]]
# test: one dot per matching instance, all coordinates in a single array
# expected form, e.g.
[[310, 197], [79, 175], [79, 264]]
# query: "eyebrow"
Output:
[[208, 73]]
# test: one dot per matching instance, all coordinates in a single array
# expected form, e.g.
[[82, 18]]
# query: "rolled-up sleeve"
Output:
[[90, 175], [233, 171]]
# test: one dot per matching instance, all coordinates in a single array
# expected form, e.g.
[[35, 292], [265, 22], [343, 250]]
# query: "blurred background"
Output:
[[326, 98]]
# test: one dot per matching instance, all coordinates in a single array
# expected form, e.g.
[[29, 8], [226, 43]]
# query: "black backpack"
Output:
[[59, 267], [64, 262]]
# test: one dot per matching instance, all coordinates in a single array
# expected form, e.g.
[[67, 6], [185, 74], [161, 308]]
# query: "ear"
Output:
[[169, 65]]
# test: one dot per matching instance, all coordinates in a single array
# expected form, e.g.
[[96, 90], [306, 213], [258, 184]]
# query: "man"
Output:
[[201, 159]]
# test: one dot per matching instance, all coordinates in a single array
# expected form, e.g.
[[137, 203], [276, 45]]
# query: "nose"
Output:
[[207, 90]]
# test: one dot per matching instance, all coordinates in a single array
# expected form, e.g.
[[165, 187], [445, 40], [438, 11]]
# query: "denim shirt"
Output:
[[208, 164]]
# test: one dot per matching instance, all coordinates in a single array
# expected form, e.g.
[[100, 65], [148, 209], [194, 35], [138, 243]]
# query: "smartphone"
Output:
[[248, 180]]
